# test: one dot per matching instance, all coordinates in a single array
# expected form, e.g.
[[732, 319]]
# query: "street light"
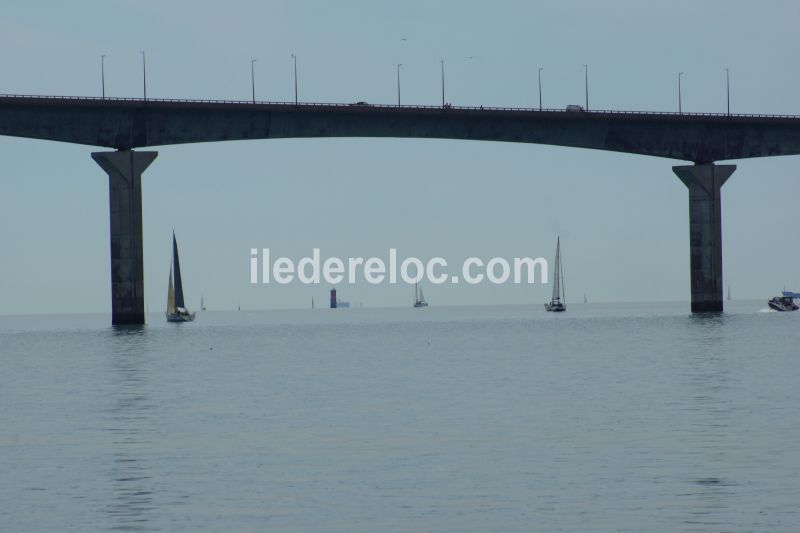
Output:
[[540, 87], [680, 110], [253, 78], [295, 78], [442, 62], [728, 88], [144, 74], [103, 73], [586, 80], [398, 83]]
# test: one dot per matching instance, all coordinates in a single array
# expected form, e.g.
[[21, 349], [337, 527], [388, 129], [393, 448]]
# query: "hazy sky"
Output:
[[623, 219]]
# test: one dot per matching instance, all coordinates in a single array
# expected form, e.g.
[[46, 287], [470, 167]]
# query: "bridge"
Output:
[[127, 124]]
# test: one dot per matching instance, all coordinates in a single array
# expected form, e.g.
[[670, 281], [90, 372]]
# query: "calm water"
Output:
[[606, 418]]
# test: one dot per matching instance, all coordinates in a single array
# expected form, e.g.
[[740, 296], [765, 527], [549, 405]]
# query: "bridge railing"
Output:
[[447, 107]]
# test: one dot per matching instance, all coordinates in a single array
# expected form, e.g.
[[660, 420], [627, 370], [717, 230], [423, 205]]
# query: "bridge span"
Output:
[[127, 124]]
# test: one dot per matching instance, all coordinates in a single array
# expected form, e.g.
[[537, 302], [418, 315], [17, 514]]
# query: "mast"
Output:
[[177, 267], [416, 292]]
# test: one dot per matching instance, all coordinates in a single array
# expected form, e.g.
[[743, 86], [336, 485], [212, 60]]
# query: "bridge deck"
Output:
[[126, 123]]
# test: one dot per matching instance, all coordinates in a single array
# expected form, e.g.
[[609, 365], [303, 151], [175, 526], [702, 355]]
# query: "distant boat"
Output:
[[338, 302], [419, 298], [784, 302], [729, 293], [584, 298], [202, 305], [557, 303], [176, 308]]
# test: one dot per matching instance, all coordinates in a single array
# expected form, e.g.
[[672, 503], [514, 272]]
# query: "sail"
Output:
[[421, 296], [561, 273], [557, 280], [170, 295], [177, 267]]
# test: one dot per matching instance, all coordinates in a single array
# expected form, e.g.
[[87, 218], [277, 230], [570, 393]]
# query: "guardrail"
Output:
[[448, 107]]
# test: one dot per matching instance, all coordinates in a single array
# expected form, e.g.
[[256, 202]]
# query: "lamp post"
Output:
[[398, 83], [294, 57], [442, 62], [586, 81], [540, 87], [103, 73], [680, 110], [144, 74], [728, 88], [253, 78]]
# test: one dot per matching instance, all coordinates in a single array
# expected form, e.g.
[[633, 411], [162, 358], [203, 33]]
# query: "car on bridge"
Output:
[[575, 107]]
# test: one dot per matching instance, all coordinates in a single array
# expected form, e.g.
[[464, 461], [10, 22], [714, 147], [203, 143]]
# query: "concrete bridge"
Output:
[[128, 124]]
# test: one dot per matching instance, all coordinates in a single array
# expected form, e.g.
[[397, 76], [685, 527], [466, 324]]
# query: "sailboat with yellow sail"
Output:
[[176, 308]]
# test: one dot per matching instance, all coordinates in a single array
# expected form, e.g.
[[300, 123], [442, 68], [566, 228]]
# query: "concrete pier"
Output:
[[124, 169], [705, 231]]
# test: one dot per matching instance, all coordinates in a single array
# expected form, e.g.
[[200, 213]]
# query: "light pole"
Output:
[[728, 88], [442, 62], [398, 83], [586, 81], [103, 73], [680, 110], [540, 87], [295, 78], [253, 78], [144, 74]]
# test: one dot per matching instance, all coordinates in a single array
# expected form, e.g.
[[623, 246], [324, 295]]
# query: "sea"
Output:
[[609, 417]]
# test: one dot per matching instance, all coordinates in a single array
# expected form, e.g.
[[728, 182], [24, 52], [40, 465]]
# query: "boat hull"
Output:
[[180, 317], [420, 304], [555, 307], [777, 305]]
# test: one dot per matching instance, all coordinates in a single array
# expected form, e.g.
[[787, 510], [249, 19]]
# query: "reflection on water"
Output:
[[708, 414], [131, 427]]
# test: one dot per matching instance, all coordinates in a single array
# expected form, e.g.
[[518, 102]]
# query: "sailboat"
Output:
[[419, 298], [176, 308], [202, 304], [557, 303]]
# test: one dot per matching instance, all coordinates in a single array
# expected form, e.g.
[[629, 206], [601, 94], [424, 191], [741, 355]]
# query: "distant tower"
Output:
[[333, 298]]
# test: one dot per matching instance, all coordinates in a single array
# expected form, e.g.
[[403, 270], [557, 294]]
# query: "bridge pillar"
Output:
[[705, 231], [124, 169]]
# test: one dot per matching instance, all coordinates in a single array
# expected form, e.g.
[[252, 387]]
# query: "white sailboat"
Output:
[[419, 298], [176, 308], [557, 303]]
